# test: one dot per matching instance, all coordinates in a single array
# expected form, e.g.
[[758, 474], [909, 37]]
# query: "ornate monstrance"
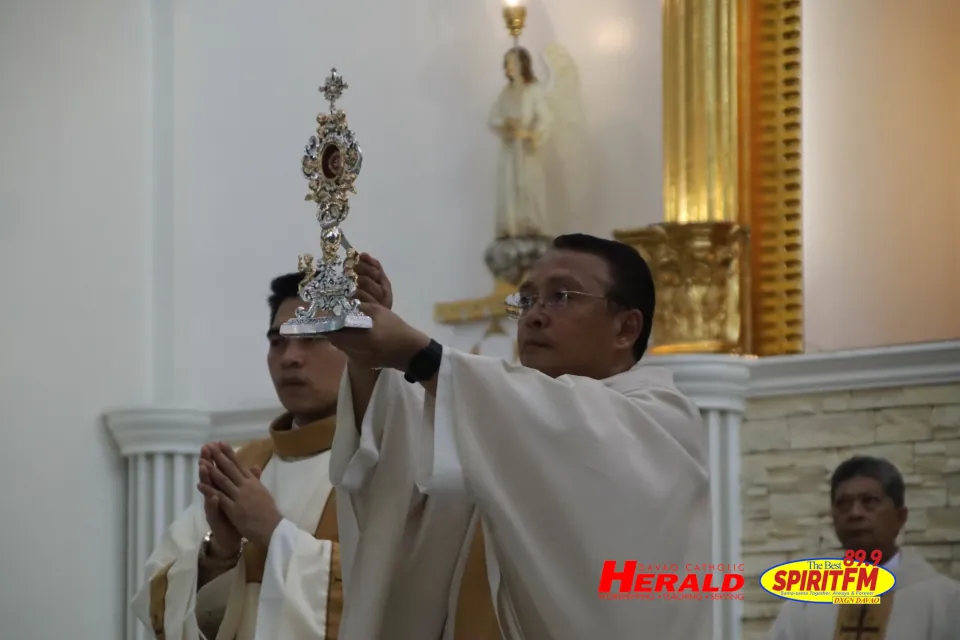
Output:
[[331, 164]]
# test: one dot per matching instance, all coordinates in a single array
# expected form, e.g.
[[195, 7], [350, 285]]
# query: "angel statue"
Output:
[[541, 129]]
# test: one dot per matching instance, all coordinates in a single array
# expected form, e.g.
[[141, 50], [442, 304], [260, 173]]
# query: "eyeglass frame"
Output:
[[557, 305]]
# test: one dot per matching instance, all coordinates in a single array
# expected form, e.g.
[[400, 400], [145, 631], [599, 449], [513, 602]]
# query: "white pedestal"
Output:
[[719, 385]]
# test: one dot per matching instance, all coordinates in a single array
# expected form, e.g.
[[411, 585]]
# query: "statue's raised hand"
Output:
[[373, 285]]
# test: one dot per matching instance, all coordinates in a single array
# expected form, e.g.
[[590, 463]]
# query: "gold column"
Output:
[[700, 111], [727, 257]]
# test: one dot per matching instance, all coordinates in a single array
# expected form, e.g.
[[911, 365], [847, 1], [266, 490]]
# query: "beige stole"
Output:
[[476, 619], [286, 442], [864, 621]]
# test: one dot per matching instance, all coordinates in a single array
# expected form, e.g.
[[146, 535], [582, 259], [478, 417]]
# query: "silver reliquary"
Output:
[[331, 164]]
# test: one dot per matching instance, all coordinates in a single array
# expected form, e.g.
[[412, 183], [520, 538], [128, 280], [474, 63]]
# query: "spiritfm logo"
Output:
[[851, 580]]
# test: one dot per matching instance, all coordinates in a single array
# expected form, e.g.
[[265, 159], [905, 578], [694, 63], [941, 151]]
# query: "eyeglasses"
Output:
[[520, 304]]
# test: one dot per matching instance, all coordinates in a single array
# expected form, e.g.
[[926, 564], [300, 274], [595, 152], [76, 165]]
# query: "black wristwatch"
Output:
[[425, 364]]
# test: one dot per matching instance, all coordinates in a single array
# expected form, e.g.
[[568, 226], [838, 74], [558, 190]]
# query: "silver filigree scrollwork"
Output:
[[331, 163]]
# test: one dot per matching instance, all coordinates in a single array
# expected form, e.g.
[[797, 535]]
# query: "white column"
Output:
[[719, 385], [161, 448]]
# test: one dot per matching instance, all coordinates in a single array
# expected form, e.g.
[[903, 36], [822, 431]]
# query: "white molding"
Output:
[[153, 430], [912, 365]]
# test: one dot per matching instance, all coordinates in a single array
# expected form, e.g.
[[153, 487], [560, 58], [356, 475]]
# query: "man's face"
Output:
[[584, 336], [864, 517], [306, 372]]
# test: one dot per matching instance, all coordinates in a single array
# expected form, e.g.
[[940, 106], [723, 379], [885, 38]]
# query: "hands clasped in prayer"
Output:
[[236, 504]]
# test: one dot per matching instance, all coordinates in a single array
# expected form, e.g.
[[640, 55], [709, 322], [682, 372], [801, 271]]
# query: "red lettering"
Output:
[[859, 556], [868, 579], [610, 573], [689, 583], [643, 582], [793, 578], [849, 576], [708, 584], [813, 581], [779, 580], [666, 582], [732, 582]]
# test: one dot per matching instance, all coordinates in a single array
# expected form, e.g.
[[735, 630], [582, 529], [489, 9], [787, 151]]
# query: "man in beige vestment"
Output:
[[258, 557], [867, 505], [541, 472]]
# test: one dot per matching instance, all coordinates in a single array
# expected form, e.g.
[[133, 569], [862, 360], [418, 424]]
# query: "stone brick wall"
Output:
[[790, 447]]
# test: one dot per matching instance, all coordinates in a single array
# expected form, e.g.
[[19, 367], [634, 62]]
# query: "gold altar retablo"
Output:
[[701, 273], [476, 309]]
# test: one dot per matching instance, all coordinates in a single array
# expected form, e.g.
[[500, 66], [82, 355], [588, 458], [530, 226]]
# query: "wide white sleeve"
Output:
[[167, 599], [568, 473], [399, 550], [355, 457], [298, 580]]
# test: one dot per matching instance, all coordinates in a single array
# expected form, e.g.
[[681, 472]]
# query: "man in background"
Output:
[[259, 557], [867, 504]]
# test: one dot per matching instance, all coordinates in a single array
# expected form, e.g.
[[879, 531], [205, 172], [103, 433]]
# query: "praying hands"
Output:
[[238, 493]]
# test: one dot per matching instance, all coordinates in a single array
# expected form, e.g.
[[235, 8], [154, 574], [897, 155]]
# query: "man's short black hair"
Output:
[[282, 289], [879, 469], [632, 285]]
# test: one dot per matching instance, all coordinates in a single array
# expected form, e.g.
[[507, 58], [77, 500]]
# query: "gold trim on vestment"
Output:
[[308, 440], [864, 621], [158, 601], [476, 619]]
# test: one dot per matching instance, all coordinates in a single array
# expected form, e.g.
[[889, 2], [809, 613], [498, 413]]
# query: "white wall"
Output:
[[422, 76], [881, 172], [150, 188], [73, 196]]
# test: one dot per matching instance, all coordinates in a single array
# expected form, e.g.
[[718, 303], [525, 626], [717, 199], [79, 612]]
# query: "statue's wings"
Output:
[[568, 161]]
